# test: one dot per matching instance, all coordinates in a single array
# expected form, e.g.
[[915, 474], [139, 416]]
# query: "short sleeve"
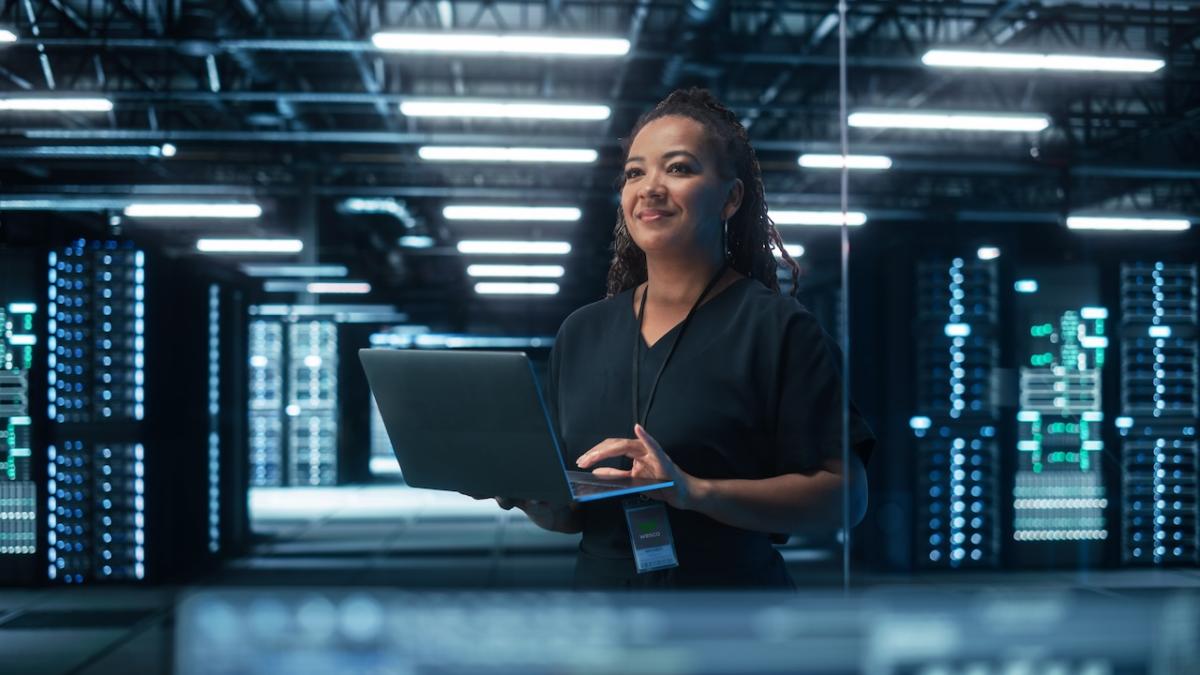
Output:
[[809, 411]]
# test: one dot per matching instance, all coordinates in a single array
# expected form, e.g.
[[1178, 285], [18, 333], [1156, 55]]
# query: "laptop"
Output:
[[475, 422]]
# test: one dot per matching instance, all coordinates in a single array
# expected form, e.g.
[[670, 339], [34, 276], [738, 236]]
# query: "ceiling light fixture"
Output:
[[947, 58], [284, 286], [513, 45], [495, 154], [950, 121], [192, 210], [827, 218], [286, 270], [494, 247], [1128, 223], [505, 110], [349, 287], [416, 241], [532, 271], [56, 104], [249, 245], [515, 288], [869, 162], [87, 151], [512, 213]]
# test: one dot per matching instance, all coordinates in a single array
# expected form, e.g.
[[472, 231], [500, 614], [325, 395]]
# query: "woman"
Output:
[[737, 388]]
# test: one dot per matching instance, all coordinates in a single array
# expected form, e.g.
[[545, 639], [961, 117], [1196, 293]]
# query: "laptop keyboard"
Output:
[[595, 483]]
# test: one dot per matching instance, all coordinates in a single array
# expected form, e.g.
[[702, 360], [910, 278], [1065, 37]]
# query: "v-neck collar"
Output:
[[633, 315]]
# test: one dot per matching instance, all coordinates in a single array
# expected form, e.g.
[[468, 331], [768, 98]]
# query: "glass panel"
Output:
[[1023, 301]]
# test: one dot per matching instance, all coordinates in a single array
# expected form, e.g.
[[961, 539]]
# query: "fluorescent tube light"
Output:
[[919, 422], [197, 210], [249, 246], [1025, 285], [22, 340], [57, 104], [300, 286], [62, 204], [22, 308], [7, 35], [1121, 223], [507, 110], [949, 121], [168, 150], [495, 154], [515, 288], [492, 247], [872, 162], [540, 271], [371, 205], [290, 270], [987, 253], [517, 213], [367, 205], [86, 151], [339, 287], [957, 329], [1160, 331], [1092, 313], [852, 218], [522, 45], [285, 286], [946, 58], [416, 241]]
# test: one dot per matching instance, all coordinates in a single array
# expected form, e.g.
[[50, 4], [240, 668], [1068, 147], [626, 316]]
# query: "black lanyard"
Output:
[[637, 346]]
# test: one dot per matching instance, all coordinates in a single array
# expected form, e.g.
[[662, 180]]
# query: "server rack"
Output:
[[1159, 414], [957, 325]]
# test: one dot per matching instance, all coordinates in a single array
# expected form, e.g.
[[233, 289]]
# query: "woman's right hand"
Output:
[[546, 515]]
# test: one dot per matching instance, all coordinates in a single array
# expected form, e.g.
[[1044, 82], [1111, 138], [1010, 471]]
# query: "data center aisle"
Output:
[[350, 542], [394, 536]]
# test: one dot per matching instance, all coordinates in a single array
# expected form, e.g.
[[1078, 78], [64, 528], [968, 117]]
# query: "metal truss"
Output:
[[288, 96]]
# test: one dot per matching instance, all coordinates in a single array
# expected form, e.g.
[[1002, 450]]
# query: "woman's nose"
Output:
[[652, 185]]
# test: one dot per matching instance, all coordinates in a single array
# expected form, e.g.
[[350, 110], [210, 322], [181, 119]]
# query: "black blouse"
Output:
[[753, 391]]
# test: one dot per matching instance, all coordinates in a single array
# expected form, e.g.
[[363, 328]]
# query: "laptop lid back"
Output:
[[473, 422]]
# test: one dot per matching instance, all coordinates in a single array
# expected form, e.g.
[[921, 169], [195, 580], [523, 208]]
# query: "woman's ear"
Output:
[[734, 201]]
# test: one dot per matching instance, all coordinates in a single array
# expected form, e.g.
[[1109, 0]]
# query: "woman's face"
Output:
[[674, 198]]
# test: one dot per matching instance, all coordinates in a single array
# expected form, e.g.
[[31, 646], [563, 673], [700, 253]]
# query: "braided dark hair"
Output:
[[751, 233]]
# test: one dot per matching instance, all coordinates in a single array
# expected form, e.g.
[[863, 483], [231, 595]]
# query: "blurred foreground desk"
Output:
[[880, 631]]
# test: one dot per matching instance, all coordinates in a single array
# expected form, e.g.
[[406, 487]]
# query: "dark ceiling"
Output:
[[289, 104]]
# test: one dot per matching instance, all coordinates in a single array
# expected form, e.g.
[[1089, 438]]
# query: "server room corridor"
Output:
[[812, 337]]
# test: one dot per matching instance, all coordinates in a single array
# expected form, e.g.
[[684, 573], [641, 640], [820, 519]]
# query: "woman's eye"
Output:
[[630, 173], [685, 167]]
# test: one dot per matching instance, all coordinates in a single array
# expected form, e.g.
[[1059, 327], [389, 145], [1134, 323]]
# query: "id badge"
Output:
[[650, 535]]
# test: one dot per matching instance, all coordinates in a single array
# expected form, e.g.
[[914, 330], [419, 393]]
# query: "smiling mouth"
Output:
[[653, 216]]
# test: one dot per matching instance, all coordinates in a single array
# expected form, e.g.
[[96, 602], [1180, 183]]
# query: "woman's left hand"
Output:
[[649, 461]]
